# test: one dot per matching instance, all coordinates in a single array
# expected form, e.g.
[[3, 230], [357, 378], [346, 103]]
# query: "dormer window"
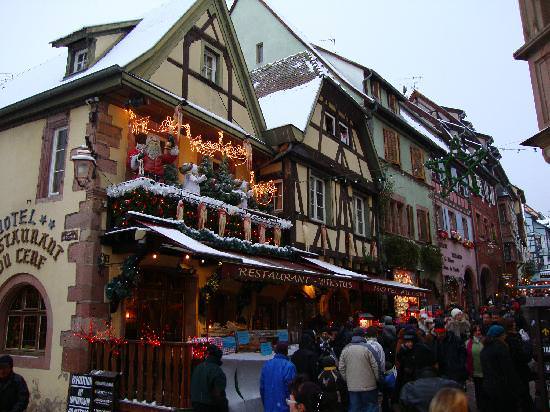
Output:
[[80, 60]]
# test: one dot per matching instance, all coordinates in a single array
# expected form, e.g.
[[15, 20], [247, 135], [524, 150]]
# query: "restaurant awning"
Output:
[[307, 271], [392, 287], [254, 268], [189, 244]]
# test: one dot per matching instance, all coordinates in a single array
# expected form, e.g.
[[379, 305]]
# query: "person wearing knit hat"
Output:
[[458, 325], [495, 331], [501, 382], [405, 358], [14, 394]]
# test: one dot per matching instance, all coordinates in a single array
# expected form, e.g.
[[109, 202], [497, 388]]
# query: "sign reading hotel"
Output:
[[280, 276], [394, 291], [26, 239]]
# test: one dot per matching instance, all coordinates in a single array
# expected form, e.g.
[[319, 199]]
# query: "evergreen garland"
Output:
[[244, 297], [431, 259], [237, 245], [120, 287], [208, 291], [401, 252]]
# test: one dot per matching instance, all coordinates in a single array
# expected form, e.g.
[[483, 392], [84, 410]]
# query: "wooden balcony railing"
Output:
[[160, 374]]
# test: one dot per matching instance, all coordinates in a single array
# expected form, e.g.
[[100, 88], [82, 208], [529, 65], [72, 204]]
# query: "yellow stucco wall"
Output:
[[169, 76], [20, 149]]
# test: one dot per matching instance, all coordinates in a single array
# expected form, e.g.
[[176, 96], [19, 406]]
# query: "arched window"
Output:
[[27, 322]]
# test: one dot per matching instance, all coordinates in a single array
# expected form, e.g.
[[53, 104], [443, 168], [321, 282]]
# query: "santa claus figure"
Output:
[[149, 160]]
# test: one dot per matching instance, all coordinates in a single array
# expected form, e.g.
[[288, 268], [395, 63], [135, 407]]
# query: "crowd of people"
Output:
[[420, 365]]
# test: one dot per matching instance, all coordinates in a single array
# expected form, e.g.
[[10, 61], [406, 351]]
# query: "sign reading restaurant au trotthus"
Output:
[[250, 273], [25, 238]]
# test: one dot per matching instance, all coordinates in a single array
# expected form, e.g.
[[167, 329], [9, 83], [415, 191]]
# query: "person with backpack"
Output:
[[333, 385]]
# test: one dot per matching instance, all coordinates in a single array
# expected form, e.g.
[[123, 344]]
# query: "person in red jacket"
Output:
[[149, 159]]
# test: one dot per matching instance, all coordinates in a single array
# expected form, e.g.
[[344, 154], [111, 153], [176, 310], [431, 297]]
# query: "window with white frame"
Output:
[[80, 60], [278, 197], [344, 133], [360, 216], [330, 124], [57, 164], [210, 65], [317, 199]]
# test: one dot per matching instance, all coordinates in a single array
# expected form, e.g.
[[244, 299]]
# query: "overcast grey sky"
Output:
[[461, 49]]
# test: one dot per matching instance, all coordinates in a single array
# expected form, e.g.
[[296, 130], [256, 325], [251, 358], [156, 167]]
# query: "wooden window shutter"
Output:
[[391, 146], [386, 144], [420, 219], [428, 227], [410, 222], [417, 163]]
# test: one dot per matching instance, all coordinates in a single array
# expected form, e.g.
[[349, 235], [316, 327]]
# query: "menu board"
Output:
[[93, 392], [105, 391], [80, 393]]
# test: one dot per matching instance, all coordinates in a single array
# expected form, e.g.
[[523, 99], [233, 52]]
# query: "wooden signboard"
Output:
[[80, 393]]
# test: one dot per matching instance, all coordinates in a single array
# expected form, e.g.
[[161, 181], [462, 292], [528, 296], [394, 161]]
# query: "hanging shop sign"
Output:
[[392, 290], [26, 239], [257, 274]]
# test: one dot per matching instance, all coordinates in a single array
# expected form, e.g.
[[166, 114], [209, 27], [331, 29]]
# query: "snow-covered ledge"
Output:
[[161, 189]]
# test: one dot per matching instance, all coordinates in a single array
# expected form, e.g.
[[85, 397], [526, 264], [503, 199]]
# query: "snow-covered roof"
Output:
[[148, 32], [190, 244], [333, 72], [417, 124], [291, 106], [337, 269]]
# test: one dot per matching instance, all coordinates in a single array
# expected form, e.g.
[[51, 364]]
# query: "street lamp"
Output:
[[84, 164]]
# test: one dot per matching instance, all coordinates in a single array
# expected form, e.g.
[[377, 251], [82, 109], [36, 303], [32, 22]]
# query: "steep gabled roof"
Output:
[[154, 26], [288, 89], [146, 42], [332, 72], [333, 57]]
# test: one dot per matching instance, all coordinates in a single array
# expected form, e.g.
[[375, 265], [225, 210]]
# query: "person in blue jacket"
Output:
[[277, 374]]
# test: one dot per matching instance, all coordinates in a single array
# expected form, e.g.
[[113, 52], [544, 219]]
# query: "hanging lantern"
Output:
[[84, 166]]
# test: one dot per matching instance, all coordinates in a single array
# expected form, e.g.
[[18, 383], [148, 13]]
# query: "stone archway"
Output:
[[485, 284]]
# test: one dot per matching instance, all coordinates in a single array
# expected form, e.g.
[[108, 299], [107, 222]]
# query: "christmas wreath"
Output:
[[120, 287]]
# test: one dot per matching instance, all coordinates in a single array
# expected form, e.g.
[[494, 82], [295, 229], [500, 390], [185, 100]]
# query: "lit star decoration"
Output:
[[442, 167]]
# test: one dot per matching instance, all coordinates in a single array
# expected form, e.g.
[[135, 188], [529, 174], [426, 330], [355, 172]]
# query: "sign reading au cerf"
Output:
[[277, 276], [25, 238]]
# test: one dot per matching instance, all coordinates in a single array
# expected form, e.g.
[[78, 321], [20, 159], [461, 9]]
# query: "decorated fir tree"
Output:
[[219, 184]]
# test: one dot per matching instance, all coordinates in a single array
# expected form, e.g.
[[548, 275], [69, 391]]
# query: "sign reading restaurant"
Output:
[[240, 272], [25, 238]]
